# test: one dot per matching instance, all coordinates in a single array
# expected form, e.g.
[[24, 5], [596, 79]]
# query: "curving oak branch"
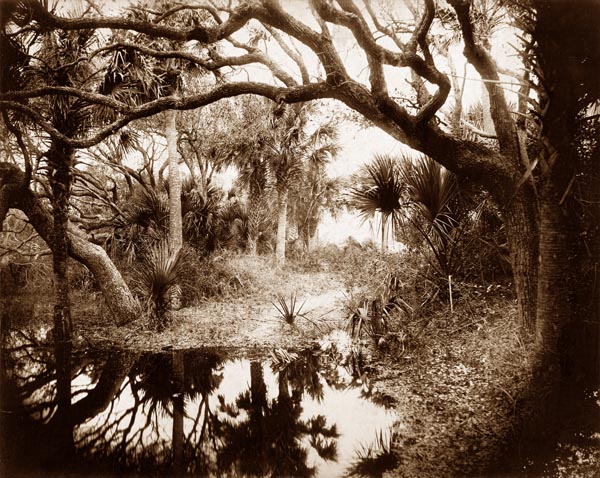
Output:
[[419, 131]]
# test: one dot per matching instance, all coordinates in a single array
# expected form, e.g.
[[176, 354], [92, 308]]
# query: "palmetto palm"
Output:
[[299, 160], [160, 274], [143, 220], [434, 208], [315, 190], [379, 187]]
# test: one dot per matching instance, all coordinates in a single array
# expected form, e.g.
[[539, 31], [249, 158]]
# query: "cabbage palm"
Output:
[[300, 157], [139, 79], [249, 153], [315, 190], [278, 156], [379, 187], [286, 146]]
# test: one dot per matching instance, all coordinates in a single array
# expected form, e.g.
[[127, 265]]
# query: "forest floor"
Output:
[[247, 321]]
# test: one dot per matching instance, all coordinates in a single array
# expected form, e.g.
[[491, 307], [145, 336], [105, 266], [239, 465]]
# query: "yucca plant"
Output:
[[288, 311], [159, 277], [379, 188]]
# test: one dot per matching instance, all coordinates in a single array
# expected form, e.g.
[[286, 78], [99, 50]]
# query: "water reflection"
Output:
[[178, 413]]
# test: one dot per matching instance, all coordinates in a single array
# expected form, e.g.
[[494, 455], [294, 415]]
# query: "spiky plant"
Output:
[[375, 459], [435, 210], [161, 273], [143, 221], [288, 312], [379, 188]]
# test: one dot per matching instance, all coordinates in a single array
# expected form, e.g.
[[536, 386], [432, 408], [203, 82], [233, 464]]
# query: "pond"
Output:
[[197, 412]]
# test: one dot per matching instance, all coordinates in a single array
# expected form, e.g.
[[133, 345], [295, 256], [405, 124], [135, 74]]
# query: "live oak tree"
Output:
[[540, 165]]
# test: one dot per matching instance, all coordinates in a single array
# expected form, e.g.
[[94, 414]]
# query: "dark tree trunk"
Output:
[[60, 162], [114, 372], [178, 438], [258, 397], [61, 423], [521, 222]]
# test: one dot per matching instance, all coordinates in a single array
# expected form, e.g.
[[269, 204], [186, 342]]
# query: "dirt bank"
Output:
[[250, 321]]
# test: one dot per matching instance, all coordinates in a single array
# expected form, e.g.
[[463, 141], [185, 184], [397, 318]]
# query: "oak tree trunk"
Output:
[[15, 193], [521, 224]]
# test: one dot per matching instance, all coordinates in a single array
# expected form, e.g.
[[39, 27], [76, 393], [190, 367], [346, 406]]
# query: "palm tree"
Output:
[[299, 158], [315, 190], [286, 147], [141, 79], [435, 209], [247, 151], [269, 439], [316, 193], [379, 187]]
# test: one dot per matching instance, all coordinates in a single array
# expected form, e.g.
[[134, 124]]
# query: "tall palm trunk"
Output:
[[60, 162], [175, 220], [61, 158], [384, 233], [255, 211], [281, 226]]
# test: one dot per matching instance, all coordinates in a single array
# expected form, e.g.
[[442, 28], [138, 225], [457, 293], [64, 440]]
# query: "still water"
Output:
[[184, 413]]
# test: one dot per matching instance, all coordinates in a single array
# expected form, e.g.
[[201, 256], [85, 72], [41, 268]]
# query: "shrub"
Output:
[[158, 279]]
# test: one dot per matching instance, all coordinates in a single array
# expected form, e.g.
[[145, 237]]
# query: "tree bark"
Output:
[[313, 241], [60, 163], [521, 223], [384, 233], [282, 205], [175, 220]]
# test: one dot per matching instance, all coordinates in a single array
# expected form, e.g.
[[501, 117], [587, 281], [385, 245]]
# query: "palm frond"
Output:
[[379, 187], [288, 311], [160, 272]]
